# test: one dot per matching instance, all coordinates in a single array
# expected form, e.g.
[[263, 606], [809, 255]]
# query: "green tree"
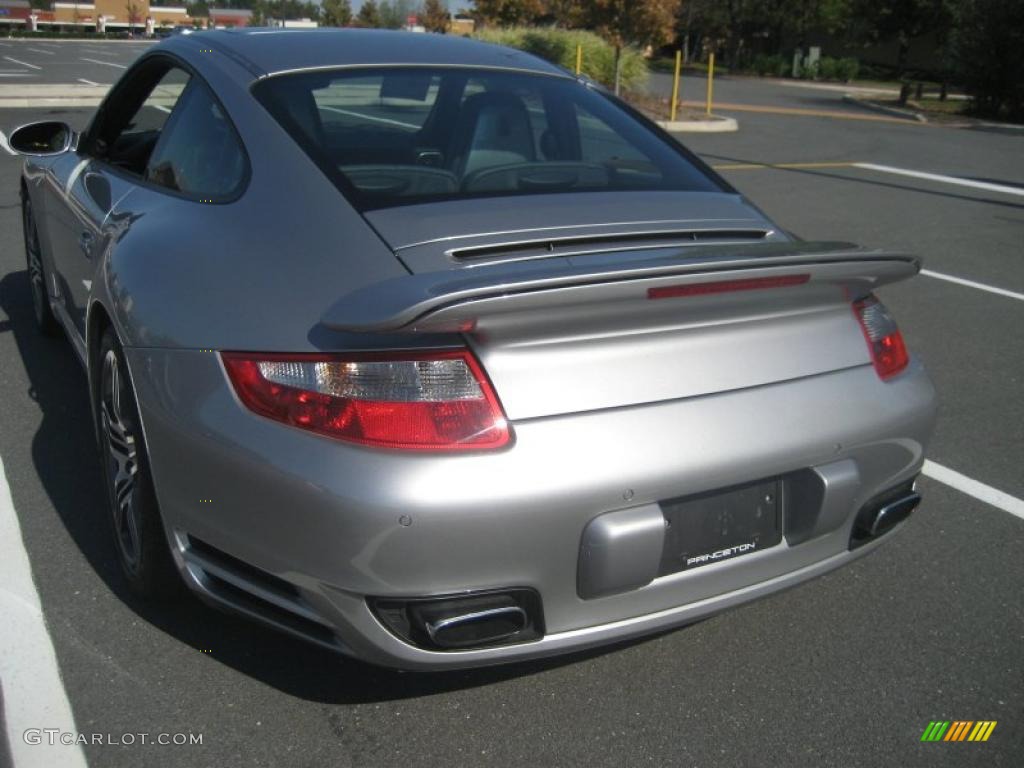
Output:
[[369, 15], [564, 13], [903, 20], [134, 15], [632, 22], [395, 14], [736, 29], [988, 49], [199, 9], [434, 16], [336, 13], [508, 13]]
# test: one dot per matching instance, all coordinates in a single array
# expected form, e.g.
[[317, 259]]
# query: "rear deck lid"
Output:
[[583, 333], [467, 233]]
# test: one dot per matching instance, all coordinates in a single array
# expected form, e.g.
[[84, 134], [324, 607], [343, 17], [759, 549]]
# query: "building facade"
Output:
[[104, 15]]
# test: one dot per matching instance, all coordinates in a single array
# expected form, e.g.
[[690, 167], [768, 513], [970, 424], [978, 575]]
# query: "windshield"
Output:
[[393, 136]]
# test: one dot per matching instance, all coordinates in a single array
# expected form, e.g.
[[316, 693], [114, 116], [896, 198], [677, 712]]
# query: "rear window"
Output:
[[393, 136]]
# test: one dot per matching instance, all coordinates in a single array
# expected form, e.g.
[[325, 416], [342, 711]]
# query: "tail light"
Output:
[[888, 352], [419, 401]]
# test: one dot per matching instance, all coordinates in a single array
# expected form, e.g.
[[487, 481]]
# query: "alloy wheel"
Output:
[[122, 460]]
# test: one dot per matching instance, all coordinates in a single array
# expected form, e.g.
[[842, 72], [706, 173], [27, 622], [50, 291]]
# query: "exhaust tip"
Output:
[[883, 513], [466, 630], [464, 622]]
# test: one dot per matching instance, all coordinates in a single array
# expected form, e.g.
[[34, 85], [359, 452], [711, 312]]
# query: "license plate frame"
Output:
[[720, 525]]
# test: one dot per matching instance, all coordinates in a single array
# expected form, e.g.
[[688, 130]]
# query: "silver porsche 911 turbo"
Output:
[[431, 353]]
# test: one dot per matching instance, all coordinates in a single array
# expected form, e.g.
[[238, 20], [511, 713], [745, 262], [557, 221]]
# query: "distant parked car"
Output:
[[428, 352]]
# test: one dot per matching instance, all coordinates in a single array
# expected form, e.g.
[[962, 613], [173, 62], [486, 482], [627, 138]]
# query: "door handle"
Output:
[[85, 242]]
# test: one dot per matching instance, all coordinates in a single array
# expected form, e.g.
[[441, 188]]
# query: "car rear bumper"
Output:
[[310, 528]]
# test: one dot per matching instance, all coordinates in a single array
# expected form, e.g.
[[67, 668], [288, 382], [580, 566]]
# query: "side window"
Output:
[[131, 123], [153, 114], [199, 153]]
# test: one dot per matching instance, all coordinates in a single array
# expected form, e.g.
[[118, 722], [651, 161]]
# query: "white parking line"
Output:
[[40, 50], [973, 284], [1004, 189], [108, 63], [33, 695], [87, 82], [385, 120], [22, 63], [971, 487]]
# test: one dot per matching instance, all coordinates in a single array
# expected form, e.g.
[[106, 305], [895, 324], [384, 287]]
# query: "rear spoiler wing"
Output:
[[454, 300]]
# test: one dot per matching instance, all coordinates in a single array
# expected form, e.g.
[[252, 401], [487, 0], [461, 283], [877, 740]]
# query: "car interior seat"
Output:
[[492, 128]]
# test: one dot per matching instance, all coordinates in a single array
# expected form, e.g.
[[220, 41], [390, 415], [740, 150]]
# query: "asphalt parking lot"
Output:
[[28, 62], [847, 670]]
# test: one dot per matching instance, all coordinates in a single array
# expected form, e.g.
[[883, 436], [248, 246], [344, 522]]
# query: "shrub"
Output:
[[808, 71], [559, 47], [827, 67], [847, 69], [773, 66]]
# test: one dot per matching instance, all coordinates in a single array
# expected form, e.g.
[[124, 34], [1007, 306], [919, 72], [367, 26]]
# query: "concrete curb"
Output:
[[51, 95], [714, 125], [891, 111], [86, 40], [37, 103]]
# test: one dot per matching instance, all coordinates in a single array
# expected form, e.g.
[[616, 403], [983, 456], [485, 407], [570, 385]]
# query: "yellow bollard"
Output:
[[711, 77], [579, 58], [675, 86]]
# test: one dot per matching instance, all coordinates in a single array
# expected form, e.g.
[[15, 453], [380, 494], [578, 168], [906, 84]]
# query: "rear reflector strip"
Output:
[[726, 286]]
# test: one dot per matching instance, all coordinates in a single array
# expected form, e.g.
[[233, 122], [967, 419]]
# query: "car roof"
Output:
[[273, 51]]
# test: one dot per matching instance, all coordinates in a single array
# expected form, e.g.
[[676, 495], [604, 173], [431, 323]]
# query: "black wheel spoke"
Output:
[[123, 465]]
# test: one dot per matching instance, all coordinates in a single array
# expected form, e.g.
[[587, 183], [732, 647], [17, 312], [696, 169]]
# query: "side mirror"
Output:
[[42, 139]]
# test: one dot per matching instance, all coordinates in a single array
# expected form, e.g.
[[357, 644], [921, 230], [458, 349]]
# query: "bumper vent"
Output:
[[256, 593], [883, 513]]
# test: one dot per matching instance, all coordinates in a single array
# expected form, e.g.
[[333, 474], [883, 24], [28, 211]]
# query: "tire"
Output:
[[46, 323], [139, 539]]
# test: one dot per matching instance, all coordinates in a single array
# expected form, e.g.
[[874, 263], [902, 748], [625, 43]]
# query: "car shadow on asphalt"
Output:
[[65, 458]]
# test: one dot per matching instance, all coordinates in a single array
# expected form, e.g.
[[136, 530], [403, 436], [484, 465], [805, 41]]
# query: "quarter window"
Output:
[[199, 153]]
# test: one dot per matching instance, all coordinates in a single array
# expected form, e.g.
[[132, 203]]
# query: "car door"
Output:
[[110, 163]]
